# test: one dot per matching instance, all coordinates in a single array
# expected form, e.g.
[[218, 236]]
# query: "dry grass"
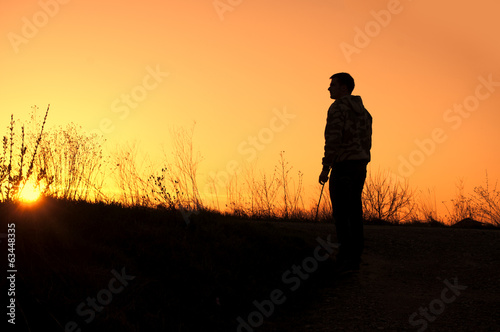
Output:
[[72, 165]]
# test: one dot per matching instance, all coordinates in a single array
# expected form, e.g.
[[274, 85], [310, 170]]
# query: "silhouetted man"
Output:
[[348, 135]]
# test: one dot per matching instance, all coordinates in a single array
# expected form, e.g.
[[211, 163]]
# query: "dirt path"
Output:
[[433, 279]]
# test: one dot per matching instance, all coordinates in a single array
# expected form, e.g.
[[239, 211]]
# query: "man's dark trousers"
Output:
[[346, 186]]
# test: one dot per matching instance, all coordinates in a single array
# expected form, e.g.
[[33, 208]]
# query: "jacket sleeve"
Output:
[[333, 134]]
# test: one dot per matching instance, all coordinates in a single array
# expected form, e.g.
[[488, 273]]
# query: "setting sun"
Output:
[[30, 193]]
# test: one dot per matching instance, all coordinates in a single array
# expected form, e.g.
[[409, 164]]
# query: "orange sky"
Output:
[[138, 69]]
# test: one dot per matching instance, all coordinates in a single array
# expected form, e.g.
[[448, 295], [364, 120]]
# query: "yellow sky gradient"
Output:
[[245, 68]]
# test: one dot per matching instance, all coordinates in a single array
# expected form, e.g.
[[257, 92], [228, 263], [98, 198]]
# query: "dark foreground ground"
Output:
[[83, 267], [412, 279]]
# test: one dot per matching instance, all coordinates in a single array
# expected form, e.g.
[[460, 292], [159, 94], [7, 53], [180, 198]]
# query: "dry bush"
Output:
[[482, 205], [387, 198], [487, 203], [71, 160]]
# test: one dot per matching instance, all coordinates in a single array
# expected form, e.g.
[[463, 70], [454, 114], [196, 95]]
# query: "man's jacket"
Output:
[[348, 131]]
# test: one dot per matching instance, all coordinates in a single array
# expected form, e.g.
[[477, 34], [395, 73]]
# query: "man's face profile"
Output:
[[335, 89]]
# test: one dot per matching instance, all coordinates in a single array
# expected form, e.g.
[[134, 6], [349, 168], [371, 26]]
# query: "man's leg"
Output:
[[346, 187], [356, 211], [339, 186]]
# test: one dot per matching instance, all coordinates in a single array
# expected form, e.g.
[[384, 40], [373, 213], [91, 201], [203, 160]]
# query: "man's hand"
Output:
[[323, 177]]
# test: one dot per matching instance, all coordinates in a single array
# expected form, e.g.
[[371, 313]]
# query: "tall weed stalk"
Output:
[[13, 177]]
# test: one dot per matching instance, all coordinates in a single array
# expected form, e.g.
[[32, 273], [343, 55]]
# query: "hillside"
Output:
[[98, 267]]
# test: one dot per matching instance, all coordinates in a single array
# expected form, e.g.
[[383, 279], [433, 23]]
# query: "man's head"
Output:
[[342, 85]]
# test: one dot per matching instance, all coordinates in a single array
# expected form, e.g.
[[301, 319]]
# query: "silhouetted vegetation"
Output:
[[386, 198], [195, 266], [66, 162], [13, 172], [72, 161]]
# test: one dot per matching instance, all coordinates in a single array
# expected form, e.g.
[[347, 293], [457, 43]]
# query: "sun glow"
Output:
[[30, 193]]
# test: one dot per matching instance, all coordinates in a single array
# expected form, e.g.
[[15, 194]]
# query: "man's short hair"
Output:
[[345, 79]]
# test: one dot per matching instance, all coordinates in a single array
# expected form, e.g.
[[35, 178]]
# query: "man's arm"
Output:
[[333, 138]]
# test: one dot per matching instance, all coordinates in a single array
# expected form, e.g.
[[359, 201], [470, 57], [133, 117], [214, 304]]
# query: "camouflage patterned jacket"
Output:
[[348, 131]]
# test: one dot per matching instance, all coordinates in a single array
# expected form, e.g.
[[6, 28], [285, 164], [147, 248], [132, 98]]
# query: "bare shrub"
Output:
[[487, 202], [71, 160], [387, 198]]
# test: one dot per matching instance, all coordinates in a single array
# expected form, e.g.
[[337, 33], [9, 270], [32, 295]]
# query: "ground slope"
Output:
[[413, 278], [207, 275]]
